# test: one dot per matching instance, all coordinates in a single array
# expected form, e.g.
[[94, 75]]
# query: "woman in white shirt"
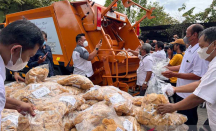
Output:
[[203, 90]]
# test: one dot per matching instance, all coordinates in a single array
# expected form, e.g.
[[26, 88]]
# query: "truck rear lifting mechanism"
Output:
[[63, 20]]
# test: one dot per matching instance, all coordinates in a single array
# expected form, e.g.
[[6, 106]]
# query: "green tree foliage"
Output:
[[161, 17], [205, 16], [12, 6], [134, 13], [120, 7], [208, 15], [131, 12]]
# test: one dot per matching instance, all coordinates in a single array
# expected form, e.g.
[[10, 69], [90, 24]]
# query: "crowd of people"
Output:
[[191, 69]]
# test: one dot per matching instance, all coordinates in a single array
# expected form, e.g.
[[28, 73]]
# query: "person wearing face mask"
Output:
[[82, 58], [144, 72], [191, 69], [19, 41], [43, 56], [204, 89]]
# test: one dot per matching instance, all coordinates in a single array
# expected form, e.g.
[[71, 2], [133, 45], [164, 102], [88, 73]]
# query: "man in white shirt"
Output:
[[144, 72], [82, 58], [204, 89], [19, 41], [160, 54], [191, 69]]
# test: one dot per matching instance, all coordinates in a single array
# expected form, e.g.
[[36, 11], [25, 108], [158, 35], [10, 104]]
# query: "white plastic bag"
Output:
[[148, 115], [158, 86], [92, 117], [9, 120], [49, 120], [159, 67], [37, 74]]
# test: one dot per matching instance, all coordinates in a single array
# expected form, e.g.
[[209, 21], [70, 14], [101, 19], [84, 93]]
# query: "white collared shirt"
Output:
[[206, 90], [81, 65], [159, 55], [2, 88], [191, 63], [145, 64]]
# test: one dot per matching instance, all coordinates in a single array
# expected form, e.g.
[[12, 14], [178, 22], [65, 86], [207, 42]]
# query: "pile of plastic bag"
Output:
[[123, 53], [73, 103], [148, 116], [157, 83]]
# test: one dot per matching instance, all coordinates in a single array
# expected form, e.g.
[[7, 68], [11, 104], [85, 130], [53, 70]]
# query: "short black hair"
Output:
[[168, 47], [181, 47], [160, 44], [209, 34], [44, 33], [197, 28], [171, 46], [79, 36], [22, 32]]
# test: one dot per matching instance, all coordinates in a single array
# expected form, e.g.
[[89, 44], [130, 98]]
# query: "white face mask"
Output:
[[85, 43], [19, 65], [202, 52]]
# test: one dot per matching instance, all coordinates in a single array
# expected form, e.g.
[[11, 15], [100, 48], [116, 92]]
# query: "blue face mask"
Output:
[[44, 43]]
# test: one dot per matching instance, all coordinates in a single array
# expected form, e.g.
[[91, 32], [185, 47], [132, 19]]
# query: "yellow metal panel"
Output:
[[56, 62]]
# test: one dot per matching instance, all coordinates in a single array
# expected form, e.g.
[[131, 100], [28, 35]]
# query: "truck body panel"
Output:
[[64, 20]]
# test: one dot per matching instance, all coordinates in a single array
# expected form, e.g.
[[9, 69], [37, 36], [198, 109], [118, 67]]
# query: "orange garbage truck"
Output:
[[63, 20]]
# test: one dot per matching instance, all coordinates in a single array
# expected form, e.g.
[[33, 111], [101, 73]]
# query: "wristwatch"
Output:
[[145, 83], [96, 49]]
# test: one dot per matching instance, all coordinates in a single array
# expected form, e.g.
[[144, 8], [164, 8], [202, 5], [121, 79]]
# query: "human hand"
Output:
[[144, 86], [168, 74], [139, 47], [40, 60], [26, 107], [99, 44], [170, 90], [18, 78], [129, 50], [165, 108], [45, 56]]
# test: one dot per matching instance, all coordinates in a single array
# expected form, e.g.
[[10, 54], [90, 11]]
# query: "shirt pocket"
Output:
[[188, 65]]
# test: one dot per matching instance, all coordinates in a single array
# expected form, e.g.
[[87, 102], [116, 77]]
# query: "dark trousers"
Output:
[[142, 92], [206, 125], [191, 115]]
